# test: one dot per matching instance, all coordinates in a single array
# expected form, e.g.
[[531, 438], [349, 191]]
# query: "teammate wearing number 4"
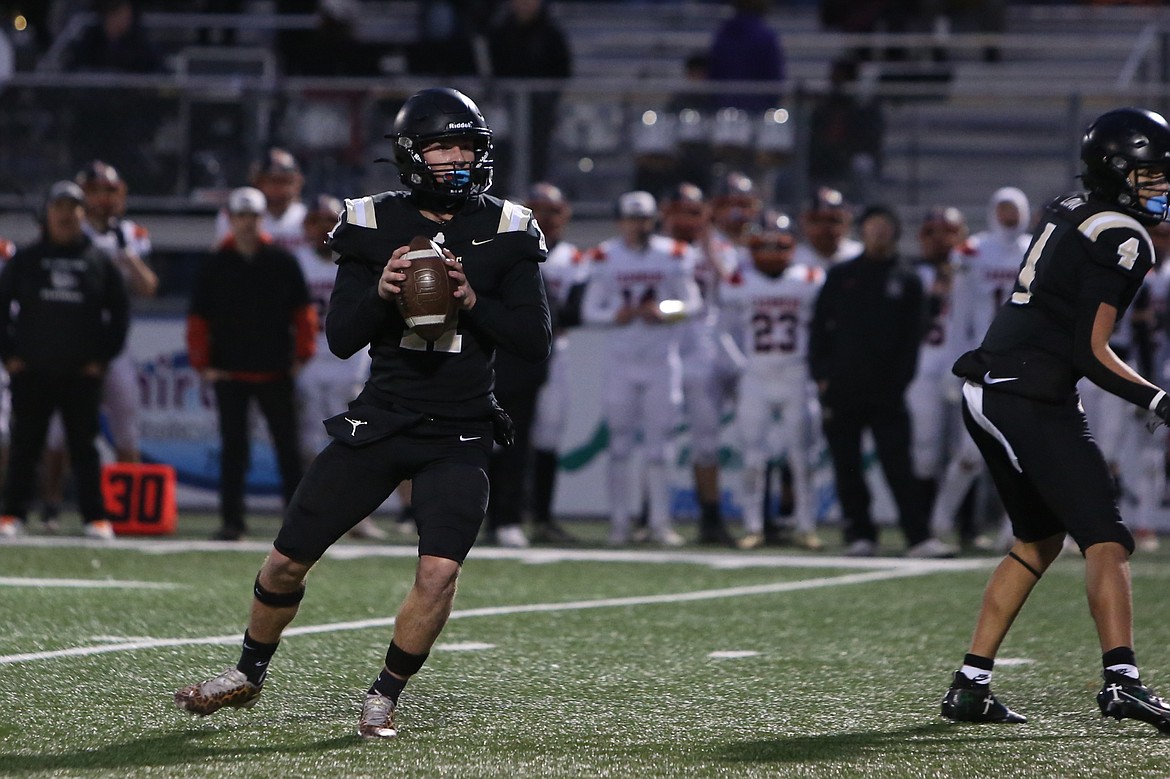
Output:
[[1088, 257], [428, 408]]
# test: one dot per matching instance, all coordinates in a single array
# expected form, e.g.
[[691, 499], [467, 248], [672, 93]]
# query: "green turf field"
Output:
[[589, 663]]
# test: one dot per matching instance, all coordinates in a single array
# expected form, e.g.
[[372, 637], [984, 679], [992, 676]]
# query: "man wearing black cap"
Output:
[[863, 351], [70, 320]]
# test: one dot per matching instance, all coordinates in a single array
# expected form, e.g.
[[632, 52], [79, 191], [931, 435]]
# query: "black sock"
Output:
[[709, 515], [388, 685], [544, 479], [254, 659], [976, 670], [1121, 660]]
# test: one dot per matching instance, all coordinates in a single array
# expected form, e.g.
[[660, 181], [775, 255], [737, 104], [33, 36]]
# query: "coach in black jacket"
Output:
[[71, 316], [250, 328], [863, 351]]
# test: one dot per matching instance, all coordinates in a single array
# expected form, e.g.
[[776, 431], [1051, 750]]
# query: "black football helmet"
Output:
[[430, 115], [1116, 145]]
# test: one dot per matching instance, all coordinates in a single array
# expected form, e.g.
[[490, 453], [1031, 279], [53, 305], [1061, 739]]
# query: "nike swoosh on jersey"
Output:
[[482, 241], [987, 379], [470, 438]]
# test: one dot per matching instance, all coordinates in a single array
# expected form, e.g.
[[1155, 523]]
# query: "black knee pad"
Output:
[[277, 600]]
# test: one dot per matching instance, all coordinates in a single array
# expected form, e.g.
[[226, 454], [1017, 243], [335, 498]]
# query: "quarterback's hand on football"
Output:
[[463, 291], [390, 283]]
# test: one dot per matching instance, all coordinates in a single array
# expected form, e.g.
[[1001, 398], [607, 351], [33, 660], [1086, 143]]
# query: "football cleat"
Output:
[[750, 541], [367, 529], [511, 537], [965, 702], [11, 527], [552, 533], [808, 540], [377, 720], [99, 530], [1125, 698], [231, 689], [666, 537]]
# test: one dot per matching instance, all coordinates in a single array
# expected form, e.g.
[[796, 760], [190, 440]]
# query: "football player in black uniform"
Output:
[[1088, 256], [427, 412]]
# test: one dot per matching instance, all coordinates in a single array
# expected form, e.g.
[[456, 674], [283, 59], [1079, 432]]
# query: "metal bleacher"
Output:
[[957, 126]]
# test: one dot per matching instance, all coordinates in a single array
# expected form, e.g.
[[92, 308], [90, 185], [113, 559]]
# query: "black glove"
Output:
[[503, 428]]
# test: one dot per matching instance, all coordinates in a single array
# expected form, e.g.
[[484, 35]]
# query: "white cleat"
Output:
[[367, 529], [377, 720], [99, 530], [511, 537]]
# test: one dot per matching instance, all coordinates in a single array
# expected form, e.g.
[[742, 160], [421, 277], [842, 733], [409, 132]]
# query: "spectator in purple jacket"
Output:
[[745, 48]]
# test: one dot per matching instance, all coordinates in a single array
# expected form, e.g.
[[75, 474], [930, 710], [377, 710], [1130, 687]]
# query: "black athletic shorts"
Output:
[[1047, 468], [447, 462]]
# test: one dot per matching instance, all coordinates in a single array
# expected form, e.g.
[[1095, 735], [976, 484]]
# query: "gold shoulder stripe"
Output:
[[1107, 220], [514, 218], [360, 213]]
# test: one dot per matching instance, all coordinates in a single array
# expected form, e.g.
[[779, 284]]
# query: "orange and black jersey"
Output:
[[500, 245], [1083, 254]]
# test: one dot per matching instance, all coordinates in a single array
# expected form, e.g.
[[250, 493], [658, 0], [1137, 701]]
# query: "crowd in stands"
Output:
[[724, 298]]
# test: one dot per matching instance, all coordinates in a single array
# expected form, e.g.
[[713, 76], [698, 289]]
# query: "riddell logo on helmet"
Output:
[[460, 125]]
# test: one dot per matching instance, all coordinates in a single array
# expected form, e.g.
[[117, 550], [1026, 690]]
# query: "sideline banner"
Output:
[[179, 427]]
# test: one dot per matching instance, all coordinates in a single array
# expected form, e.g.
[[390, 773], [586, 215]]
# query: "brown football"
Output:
[[427, 301]]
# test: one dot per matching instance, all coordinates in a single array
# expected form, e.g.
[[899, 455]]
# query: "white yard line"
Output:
[[719, 559], [494, 611], [22, 581]]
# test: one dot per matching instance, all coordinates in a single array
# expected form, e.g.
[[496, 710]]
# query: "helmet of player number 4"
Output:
[[435, 114], [1126, 156]]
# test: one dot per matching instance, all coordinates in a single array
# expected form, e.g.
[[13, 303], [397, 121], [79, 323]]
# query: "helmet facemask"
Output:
[[1149, 187], [455, 180]]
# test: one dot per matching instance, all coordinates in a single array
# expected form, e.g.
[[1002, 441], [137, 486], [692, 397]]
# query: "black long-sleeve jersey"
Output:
[[1083, 253], [500, 245], [62, 307]]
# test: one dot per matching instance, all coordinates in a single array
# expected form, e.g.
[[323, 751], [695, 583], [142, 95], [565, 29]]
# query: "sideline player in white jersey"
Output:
[[825, 222], [709, 370], [565, 272], [1150, 486], [987, 265], [933, 396], [278, 176], [642, 286], [128, 243], [326, 384], [772, 301]]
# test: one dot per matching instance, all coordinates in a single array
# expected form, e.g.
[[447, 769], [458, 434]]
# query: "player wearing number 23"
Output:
[[1089, 254]]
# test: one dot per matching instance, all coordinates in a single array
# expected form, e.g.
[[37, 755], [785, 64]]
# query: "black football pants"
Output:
[[889, 422], [35, 396], [277, 403]]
